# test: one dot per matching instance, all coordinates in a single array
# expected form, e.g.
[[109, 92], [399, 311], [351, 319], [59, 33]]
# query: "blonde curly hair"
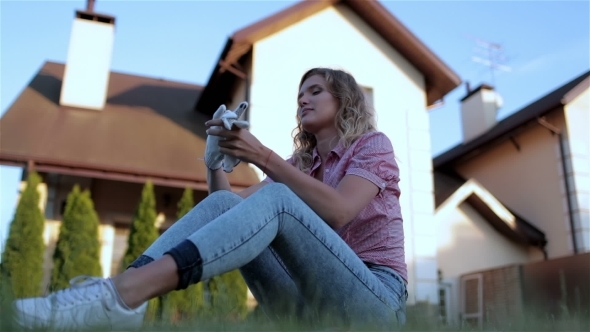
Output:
[[353, 118]]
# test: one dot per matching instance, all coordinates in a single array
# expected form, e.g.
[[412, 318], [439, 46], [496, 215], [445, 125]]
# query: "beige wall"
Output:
[[528, 181], [466, 242], [577, 115], [337, 38]]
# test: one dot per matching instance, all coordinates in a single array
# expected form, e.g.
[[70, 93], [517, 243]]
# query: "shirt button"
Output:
[[327, 170]]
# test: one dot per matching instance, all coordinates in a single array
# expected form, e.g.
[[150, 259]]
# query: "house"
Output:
[[81, 123], [512, 196]]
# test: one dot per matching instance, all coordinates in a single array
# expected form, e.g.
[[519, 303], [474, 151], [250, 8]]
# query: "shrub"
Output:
[[22, 259], [77, 251]]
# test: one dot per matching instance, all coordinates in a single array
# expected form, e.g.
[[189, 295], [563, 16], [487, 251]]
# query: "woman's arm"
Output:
[[217, 180], [252, 189], [337, 207]]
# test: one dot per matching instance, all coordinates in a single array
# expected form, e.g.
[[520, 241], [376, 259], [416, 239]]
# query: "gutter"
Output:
[[556, 131]]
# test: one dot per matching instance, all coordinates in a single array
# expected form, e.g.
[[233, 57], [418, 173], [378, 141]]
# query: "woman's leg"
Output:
[[331, 278], [328, 274], [266, 277], [273, 287], [204, 212], [208, 209]]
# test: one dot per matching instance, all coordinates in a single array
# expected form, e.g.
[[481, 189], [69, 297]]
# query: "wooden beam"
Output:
[[227, 66]]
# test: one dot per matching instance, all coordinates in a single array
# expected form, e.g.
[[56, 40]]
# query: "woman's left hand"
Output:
[[239, 143]]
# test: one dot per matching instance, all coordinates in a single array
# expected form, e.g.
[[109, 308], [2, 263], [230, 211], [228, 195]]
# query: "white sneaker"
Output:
[[89, 304]]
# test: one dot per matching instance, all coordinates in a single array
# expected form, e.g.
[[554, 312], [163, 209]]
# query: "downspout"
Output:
[[556, 131]]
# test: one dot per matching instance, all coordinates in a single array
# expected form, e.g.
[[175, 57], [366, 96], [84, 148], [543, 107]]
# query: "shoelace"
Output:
[[91, 288]]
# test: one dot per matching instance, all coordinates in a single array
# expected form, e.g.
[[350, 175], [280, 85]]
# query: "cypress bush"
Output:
[[229, 294], [143, 229], [187, 303], [22, 259], [77, 251], [142, 234]]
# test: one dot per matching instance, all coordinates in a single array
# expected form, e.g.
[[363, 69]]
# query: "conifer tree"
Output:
[[77, 251], [188, 302], [229, 294], [143, 227], [142, 234], [21, 269]]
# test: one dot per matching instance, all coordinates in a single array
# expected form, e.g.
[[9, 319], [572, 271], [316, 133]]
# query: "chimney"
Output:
[[86, 76], [479, 109]]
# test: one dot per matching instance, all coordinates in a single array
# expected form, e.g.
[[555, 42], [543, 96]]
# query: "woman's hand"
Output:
[[239, 143]]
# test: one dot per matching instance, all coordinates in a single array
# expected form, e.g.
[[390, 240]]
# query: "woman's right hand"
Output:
[[238, 143]]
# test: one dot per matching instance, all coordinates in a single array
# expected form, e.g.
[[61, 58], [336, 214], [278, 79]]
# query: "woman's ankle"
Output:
[[138, 285], [125, 288]]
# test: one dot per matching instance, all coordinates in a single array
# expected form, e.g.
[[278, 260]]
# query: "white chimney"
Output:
[[86, 77], [479, 110]]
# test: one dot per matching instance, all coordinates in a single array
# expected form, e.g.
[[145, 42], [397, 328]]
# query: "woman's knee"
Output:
[[276, 190], [225, 195], [215, 203], [222, 199]]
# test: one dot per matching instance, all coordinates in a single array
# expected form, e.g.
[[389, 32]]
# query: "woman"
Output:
[[321, 237]]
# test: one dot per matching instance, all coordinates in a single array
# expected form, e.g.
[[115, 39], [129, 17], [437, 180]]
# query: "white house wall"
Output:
[[337, 38], [577, 117]]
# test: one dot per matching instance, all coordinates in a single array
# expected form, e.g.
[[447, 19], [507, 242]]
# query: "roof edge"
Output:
[[102, 171], [576, 91], [537, 108], [519, 229], [196, 85]]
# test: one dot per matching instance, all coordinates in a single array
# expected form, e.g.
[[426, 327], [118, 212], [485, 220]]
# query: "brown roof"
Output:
[[518, 121], [440, 79], [148, 128]]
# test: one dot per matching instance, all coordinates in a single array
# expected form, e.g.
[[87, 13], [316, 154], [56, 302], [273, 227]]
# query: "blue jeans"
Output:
[[291, 260]]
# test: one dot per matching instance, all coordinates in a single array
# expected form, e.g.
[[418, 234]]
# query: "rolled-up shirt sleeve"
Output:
[[374, 160]]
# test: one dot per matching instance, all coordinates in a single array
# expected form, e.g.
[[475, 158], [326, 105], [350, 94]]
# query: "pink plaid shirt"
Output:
[[376, 235]]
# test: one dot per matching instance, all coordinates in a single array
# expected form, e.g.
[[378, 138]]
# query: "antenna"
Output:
[[491, 56]]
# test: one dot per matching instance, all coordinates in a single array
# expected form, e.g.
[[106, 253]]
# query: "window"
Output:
[[368, 96]]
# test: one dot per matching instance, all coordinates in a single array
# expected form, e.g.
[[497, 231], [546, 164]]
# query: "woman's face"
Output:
[[317, 107]]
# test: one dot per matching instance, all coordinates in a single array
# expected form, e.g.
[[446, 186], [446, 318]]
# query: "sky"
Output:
[[544, 45]]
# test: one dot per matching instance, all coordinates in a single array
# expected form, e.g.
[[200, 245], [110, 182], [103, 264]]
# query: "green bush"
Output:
[[77, 251], [229, 294], [142, 234], [143, 229], [22, 259], [187, 303]]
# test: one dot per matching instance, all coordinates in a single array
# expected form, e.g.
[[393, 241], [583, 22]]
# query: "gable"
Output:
[[439, 78], [454, 193], [337, 37]]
